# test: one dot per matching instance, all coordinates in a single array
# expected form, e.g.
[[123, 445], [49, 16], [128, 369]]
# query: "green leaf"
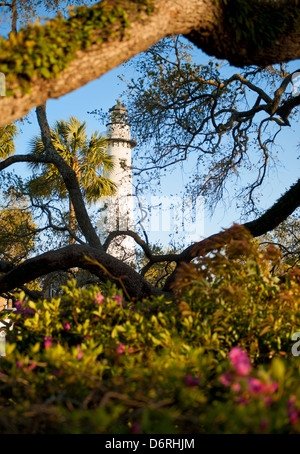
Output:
[[9, 348], [36, 348], [45, 73], [278, 369]]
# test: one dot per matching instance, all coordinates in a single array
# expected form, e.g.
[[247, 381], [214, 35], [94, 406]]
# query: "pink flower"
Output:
[[293, 415], [29, 311], [18, 364], [225, 379], [255, 386], [268, 401], [236, 387], [192, 381], [120, 348], [240, 361], [99, 298], [48, 342], [263, 424], [32, 366], [119, 300], [291, 402], [292, 412], [135, 428], [19, 307], [66, 325], [242, 400], [271, 388], [80, 353]]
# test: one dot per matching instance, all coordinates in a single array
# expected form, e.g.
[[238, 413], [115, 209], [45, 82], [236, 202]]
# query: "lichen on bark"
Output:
[[49, 48]]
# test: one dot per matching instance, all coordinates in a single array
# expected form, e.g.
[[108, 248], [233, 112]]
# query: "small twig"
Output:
[[119, 279], [134, 403]]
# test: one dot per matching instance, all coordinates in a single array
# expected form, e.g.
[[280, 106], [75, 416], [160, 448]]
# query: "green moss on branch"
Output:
[[261, 22], [44, 51]]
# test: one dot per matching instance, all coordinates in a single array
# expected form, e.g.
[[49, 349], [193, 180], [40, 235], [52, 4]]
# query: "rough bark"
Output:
[[76, 256], [202, 21], [278, 213], [72, 223]]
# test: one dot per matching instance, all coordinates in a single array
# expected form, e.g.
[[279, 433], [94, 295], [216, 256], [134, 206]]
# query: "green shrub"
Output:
[[235, 299], [90, 362]]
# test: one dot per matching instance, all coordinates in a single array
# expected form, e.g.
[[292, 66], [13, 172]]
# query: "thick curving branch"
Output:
[[84, 257], [103, 265], [133, 235], [70, 180], [22, 158], [274, 216], [204, 22], [271, 219], [278, 213]]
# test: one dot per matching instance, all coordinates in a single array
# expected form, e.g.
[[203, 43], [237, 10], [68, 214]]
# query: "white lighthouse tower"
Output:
[[119, 208]]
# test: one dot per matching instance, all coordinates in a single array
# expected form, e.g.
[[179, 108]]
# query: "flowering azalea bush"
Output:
[[234, 299], [89, 361]]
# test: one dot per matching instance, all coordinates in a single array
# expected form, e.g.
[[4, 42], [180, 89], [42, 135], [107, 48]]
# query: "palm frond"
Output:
[[7, 136], [101, 187], [89, 157]]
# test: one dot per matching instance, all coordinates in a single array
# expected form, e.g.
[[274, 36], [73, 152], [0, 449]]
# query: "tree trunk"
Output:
[[72, 222], [70, 180]]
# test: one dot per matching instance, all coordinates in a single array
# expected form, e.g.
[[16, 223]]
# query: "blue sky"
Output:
[[103, 93]]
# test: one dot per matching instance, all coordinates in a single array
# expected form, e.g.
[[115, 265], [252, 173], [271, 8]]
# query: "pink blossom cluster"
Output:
[[190, 380], [99, 299], [119, 300], [240, 361], [121, 348], [80, 353], [243, 384], [66, 325], [48, 342], [22, 309], [253, 386], [292, 411], [21, 364]]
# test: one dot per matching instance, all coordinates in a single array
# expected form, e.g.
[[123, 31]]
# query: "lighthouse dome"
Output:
[[118, 113], [118, 106]]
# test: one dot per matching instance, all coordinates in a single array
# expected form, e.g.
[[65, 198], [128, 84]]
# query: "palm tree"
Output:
[[88, 157], [7, 135]]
